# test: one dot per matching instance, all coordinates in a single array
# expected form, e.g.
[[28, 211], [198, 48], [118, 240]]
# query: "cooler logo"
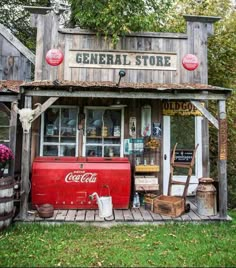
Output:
[[81, 177]]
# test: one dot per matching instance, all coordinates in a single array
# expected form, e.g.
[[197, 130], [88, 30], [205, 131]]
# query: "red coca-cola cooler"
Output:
[[67, 182]]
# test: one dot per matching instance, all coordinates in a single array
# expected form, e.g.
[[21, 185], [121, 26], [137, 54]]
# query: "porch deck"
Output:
[[120, 216]]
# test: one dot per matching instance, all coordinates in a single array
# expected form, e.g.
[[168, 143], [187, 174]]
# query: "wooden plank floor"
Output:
[[127, 216]]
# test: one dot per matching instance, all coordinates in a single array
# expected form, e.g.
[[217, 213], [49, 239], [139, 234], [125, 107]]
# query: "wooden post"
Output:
[[205, 147], [222, 160], [13, 126], [25, 164]]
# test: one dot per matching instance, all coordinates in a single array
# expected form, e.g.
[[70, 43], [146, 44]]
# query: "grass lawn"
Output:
[[35, 245]]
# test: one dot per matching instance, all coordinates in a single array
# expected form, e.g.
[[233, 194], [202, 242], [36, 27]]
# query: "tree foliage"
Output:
[[114, 18], [222, 71], [17, 20]]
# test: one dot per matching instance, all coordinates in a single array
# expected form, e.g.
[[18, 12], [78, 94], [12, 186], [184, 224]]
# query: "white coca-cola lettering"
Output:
[[88, 177]]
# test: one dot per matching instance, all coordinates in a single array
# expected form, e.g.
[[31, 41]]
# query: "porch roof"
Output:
[[10, 86], [109, 89]]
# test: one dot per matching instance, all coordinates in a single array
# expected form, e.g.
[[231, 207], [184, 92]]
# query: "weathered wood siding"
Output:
[[194, 41], [13, 64]]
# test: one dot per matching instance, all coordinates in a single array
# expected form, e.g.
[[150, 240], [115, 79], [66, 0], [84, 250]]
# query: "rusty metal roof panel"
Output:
[[9, 86], [43, 85]]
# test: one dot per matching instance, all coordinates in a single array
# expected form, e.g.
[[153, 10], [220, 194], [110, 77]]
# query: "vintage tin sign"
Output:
[[190, 62], [54, 57], [223, 139], [132, 127], [180, 108]]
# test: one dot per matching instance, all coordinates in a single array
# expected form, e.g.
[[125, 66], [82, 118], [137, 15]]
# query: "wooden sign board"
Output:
[[113, 59]]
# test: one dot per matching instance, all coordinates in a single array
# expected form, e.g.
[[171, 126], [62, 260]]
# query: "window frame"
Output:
[[59, 143], [103, 144]]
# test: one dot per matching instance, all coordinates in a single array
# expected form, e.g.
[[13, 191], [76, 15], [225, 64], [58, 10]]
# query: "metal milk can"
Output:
[[206, 197]]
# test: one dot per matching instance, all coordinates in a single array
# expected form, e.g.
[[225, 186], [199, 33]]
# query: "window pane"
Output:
[[67, 150], [51, 127], [68, 121], [4, 133], [4, 120], [50, 150], [94, 122], [93, 151], [184, 136], [110, 151]]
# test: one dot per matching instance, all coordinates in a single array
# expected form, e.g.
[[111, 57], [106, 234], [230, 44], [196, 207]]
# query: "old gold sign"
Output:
[[180, 108], [126, 60]]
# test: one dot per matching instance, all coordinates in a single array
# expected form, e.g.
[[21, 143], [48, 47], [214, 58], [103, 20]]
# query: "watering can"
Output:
[[104, 204]]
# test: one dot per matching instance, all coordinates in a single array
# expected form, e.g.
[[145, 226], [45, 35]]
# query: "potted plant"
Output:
[[6, 189], [5, 156]]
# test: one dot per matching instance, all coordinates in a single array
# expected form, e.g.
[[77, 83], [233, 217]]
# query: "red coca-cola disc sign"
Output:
[[190, 62], [54, 57]]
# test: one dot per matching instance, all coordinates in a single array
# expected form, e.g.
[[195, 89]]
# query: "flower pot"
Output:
[[6, 201]]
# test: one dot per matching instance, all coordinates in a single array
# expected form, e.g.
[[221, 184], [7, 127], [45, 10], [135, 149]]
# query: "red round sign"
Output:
[[54, 57], [190, 62]]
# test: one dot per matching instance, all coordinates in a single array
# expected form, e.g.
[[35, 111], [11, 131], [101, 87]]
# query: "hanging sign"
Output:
[[183, 156], [190, 62], [54, 57]]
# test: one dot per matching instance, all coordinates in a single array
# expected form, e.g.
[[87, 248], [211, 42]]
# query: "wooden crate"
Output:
[[169, 205], [149, 201]]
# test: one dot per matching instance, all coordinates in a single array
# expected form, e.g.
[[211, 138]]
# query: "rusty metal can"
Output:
[[206, 197]]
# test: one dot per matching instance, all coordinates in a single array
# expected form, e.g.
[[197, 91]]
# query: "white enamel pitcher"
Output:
[[104, 204]]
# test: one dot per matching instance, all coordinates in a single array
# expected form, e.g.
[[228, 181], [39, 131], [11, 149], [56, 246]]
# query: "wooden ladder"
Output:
[[188, 166]]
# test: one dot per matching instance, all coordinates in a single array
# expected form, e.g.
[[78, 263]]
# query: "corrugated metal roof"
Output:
[[43, 85], [9, 86]]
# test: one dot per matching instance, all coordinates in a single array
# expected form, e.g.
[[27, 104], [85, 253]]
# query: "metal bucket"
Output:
[[6, 201], [104, 203], [105, 206], [206, 197]]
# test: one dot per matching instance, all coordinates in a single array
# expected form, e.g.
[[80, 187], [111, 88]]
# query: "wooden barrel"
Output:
[[6, 201]]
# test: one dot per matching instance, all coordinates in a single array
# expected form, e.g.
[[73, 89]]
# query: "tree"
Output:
[[117, 18], [17, 20]]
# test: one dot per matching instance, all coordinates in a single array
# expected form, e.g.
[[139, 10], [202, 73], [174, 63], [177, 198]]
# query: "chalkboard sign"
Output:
[[183, 156]]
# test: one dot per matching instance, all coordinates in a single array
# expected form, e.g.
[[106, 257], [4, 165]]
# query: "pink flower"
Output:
[[5, 154]]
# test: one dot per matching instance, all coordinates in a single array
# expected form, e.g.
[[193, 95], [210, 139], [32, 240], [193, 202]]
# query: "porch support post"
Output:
[[13, 127], [25, 164], [222, 159]]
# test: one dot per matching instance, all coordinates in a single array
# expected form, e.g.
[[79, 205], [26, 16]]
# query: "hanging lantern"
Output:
[[54, 57], [190, 62]]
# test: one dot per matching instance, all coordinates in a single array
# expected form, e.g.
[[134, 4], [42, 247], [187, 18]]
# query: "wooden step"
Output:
[[181, 165], [178, 182]]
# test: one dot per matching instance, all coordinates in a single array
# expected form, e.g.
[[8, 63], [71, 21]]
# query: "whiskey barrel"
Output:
[[6, 201]]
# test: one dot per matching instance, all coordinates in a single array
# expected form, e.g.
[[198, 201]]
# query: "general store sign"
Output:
[[122, 59], [180, 108]]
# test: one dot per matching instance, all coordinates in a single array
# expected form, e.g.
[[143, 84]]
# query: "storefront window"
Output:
[[103, 133], [59, 135]]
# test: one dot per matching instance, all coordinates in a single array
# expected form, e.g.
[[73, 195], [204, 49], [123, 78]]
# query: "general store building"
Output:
[[108, 102]]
